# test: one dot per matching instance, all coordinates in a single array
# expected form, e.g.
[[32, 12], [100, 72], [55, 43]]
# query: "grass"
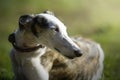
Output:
[[92, 21]]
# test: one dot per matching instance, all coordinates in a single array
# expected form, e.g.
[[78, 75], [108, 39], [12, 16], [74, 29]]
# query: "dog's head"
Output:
[[46, 29]]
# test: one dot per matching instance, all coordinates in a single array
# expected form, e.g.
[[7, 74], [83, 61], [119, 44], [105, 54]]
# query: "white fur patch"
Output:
[[101, 59]]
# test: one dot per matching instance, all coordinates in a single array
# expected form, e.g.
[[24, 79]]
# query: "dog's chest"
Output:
[[30, 66]]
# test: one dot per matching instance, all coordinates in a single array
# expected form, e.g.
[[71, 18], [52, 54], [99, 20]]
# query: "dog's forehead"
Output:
[[55, 21], [51, 18]]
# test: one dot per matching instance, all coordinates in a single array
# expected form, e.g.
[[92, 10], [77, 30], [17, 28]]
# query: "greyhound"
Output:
[[42, 50]]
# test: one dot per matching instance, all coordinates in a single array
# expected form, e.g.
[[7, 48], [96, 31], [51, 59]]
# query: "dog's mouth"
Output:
[[11, 39]]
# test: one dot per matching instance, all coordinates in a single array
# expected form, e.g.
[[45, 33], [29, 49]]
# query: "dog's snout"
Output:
[[25, 19], [78, 53]]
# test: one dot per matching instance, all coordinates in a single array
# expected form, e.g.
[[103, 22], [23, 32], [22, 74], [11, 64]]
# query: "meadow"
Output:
[[95, 19]]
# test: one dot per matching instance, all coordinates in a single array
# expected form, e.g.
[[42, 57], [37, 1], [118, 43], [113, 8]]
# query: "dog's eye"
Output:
[[57, 29]]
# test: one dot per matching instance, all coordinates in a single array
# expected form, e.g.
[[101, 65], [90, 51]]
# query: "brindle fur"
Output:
[[81, 68], [87, 67], [62, 68]]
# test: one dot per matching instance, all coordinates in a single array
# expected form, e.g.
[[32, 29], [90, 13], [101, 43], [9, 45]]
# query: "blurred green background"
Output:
[[95, 19]]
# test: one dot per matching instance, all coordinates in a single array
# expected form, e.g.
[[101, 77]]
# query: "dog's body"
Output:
[[44, 63]]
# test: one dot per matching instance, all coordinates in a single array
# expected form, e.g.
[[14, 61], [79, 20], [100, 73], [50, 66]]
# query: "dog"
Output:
[[42, 50]]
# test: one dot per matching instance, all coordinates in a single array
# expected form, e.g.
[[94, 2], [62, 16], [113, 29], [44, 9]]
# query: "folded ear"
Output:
[[11, 38], [49, 12]]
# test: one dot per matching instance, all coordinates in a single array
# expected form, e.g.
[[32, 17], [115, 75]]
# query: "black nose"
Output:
[[78, 53], [24, 19]]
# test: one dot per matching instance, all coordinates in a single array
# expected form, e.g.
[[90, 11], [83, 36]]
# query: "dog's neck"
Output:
[[29, 49], [29, 60]]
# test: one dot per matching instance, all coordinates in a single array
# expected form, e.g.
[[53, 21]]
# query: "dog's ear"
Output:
[[49, 12], [25, 20], [11, 38]]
